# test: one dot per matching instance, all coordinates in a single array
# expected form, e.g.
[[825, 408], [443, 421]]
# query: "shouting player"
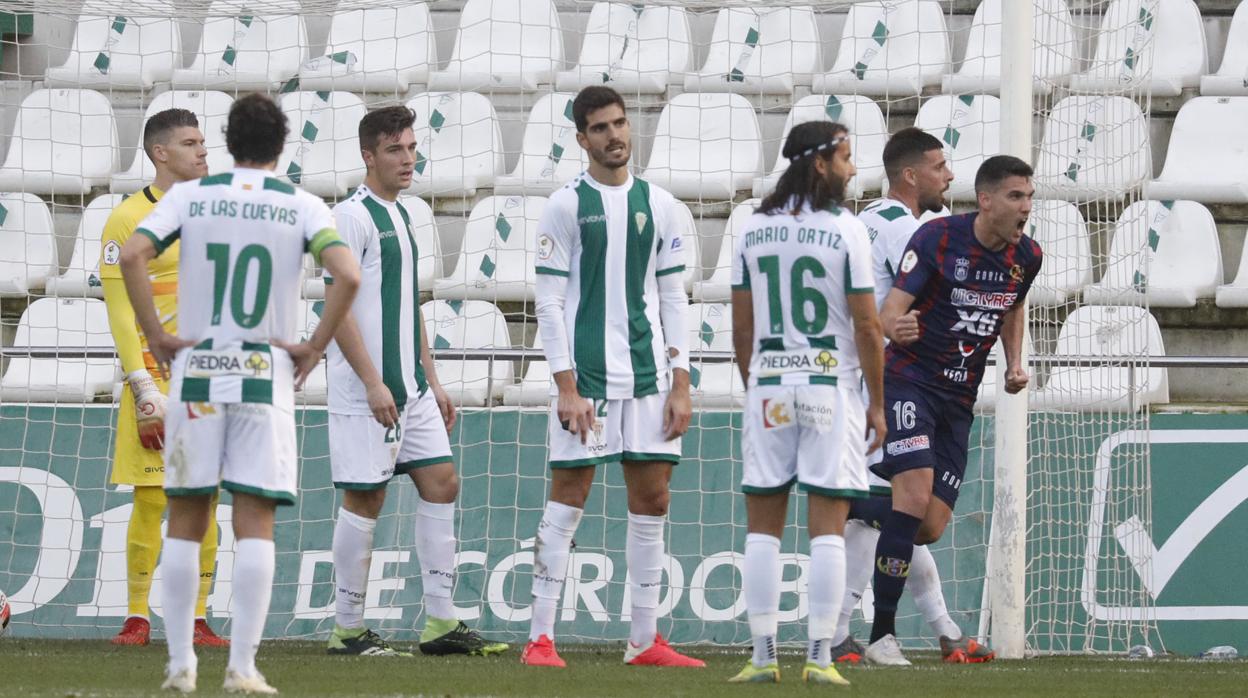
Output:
[[960, 285], [174, 144], [799, 343], [611, 311], [388, 414], [231, 420]]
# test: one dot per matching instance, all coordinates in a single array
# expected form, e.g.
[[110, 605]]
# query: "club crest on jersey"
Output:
[[112, 252], [545, 247], [910, 259], [961, 266], [1016, 272], [640, 219], [775, 414]]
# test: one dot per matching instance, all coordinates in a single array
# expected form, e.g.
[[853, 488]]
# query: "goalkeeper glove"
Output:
[[149, 407]]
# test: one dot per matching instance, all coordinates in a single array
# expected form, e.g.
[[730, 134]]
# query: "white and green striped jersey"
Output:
[[890, 226], [800, 271], [612, 244], [387, 305], [243, 237]]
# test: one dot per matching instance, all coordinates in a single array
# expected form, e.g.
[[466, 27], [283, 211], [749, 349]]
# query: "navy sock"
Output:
[[892, 566], [873, 511]]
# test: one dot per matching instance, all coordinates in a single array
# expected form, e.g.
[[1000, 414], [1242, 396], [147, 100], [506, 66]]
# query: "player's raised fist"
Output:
[[1016, 379]]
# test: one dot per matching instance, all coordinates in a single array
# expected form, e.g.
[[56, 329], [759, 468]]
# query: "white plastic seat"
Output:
[[717, 288], [1093, 148], [82, 278], [114, 51], [27, 244], [636, 53], [1164, 255], [503, 45], [322, 153], [706, 146], [1207, 159], [1175, 38], [496, 261], [1059, 228], [246, 52], [211, 107], [549, 154], [759, 51], [1095, 330], [712, 384], [986, 398], [64, 142], [70, 323], [692, 243], [1055, 50], [376, 49], [316, 386], [1235, 294], [468, 325], [868, 133], [459, 147], [970, 128], [888, 48], [1232, 75], [535, 386]]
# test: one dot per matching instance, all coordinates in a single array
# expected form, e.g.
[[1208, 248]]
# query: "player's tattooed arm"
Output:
[[901, 324], [1013, 330], [743, 331]]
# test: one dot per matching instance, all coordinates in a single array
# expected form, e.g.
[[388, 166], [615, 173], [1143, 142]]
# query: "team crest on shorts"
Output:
[[195, 410], [775, 414]]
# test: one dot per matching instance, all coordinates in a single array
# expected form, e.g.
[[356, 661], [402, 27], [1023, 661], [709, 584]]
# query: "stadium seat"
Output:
[[1232, 75], [759, 51], [322, 153], [1094, 148], [534, 388], [889, 49], [636, 53], [82, 278], [1055, 51], [718, 287], [111, 51], [1175, 38], [27, 244], [496, 261], [316, 387], [712, 384], [549, 153], [706, 146], [692, 243], [867, 134], [1093, 331], [970, 128], [211, 107], [246, 52], [64, 142], [986, 398], [1165, 254], [468, 325], [1235, 294], [503, 45], [1207, 159], [69, 323], [1059, 228], [459, 148], [376, 49]]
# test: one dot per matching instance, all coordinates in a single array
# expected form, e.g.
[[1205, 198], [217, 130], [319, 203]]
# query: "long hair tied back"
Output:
[[801, 184]]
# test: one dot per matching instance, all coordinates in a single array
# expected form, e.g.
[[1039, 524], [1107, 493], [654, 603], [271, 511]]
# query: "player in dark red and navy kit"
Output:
[[960, 286]]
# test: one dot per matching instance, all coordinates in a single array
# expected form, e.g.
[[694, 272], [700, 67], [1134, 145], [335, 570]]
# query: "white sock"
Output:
[[860, 542], [435, 549], [825, 592], [644, 555], [924, 582], [253, 587], [550, 565], [353, 552], [179, 565], [761, 587]]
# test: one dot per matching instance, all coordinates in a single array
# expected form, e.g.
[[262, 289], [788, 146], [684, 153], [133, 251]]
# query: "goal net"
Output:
[[711, 88]]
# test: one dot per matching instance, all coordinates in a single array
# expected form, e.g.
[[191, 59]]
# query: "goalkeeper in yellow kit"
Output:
[[173, 142]]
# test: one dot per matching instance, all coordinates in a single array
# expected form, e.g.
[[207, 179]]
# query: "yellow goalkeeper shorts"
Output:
[[133, 464]]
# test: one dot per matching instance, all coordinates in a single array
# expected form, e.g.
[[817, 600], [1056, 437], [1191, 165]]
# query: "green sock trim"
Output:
[[437, 627], [348, 633]]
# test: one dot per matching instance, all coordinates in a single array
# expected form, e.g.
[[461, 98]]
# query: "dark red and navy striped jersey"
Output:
[[961, 290]]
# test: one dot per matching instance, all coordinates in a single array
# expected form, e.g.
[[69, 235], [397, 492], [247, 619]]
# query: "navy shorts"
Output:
[[925, 430]]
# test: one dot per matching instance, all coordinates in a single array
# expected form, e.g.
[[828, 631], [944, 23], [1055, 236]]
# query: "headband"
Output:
[[815, 149]]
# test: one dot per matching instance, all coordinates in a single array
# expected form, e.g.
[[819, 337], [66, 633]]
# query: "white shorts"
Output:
[[244, 447], [811, 434], [364, 455], [878, 485], [630, 429]]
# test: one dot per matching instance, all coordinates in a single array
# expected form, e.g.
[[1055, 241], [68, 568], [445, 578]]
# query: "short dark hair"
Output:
[[996, 168], [906, 148], [389, 121], [805, 142], [256, 130], [162, 123], [592, 99]]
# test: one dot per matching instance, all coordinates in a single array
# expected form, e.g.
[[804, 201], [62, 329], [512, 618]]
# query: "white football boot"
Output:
[[251, 685], [886, 652]]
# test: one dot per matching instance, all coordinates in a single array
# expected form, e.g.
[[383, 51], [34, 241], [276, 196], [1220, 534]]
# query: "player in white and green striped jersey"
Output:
[[388, 414], [243, 235], [611, 312]]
